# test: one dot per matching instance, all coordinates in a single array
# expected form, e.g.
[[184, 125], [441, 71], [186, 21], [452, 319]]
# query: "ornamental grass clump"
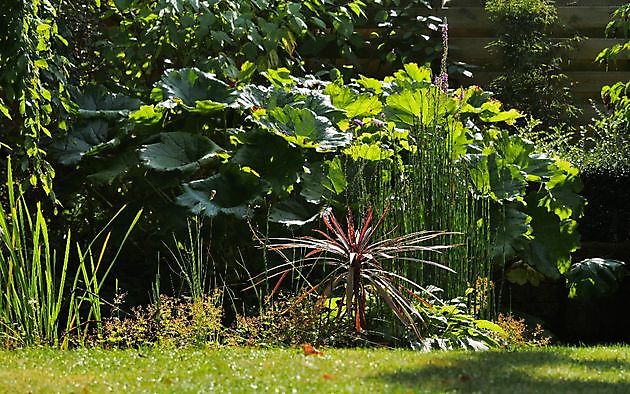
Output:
[[353, 260]]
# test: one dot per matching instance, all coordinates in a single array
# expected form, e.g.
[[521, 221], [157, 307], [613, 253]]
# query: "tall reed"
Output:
[[34, 283], [430, 191], [32, 295]]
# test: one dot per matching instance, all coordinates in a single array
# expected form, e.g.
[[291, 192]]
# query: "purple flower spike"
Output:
[[357, 122]]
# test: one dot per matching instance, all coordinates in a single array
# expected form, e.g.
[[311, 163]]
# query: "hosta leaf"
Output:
[[190, 85], [231, 192], [179, 151], [89, 139], [594, 277], [490, 326]]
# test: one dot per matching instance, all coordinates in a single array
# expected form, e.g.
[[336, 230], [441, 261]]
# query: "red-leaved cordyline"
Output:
[[353, 258]]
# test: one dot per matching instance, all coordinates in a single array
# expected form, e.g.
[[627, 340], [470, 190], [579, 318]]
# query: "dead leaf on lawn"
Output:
[[309, 350]]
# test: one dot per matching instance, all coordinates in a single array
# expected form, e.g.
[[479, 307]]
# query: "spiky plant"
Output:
[[355, 259]]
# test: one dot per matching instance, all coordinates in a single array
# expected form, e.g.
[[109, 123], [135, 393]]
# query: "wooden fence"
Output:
[[470, 31]]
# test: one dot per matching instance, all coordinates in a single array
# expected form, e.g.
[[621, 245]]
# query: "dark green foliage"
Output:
[[140, 39], [531, 77], [595, 277]]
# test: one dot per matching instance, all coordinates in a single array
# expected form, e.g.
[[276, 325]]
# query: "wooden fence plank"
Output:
[[474, 50], [474, 21]]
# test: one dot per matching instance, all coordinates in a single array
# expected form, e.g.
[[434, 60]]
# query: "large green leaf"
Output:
[[303, 127], [179, 151], [231, 192], [99, 103], [321, 105], [322, 180], [491, 176], [563, 187], [521, 152], [115, 167], [274, 159], [257, 96], [511, 232], [406, 107], [293, 212], [364, 105], [96, 136], [370, 152], [549, 252], [420, 106], [198, 91], [335, 179], [594, 277], [521, 273]]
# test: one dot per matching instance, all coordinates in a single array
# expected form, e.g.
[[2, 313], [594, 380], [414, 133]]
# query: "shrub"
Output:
[[531, 77], [169, 322], [518, 335]]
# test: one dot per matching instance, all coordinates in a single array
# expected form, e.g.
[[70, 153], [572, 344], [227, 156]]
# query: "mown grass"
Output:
[[552, 370]]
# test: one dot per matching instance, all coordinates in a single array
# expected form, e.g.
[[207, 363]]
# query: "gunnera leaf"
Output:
[[198, 91], [179, 151], [294, 212], [594, 277], [97, 102], [275, 160], [81, 141], [231, 192], [303, 127]]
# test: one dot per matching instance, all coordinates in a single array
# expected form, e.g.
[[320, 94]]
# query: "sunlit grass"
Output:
[[553, 370]]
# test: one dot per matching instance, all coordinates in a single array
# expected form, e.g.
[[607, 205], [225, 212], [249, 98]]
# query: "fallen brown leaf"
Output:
[[309, 350]]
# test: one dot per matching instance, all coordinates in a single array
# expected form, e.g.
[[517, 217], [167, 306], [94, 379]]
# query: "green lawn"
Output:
[[553, 370]]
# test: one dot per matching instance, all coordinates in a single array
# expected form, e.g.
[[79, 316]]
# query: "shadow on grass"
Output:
[[515, 372]]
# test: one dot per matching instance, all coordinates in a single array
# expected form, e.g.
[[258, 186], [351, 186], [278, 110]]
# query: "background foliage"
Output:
[[531, 76]]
